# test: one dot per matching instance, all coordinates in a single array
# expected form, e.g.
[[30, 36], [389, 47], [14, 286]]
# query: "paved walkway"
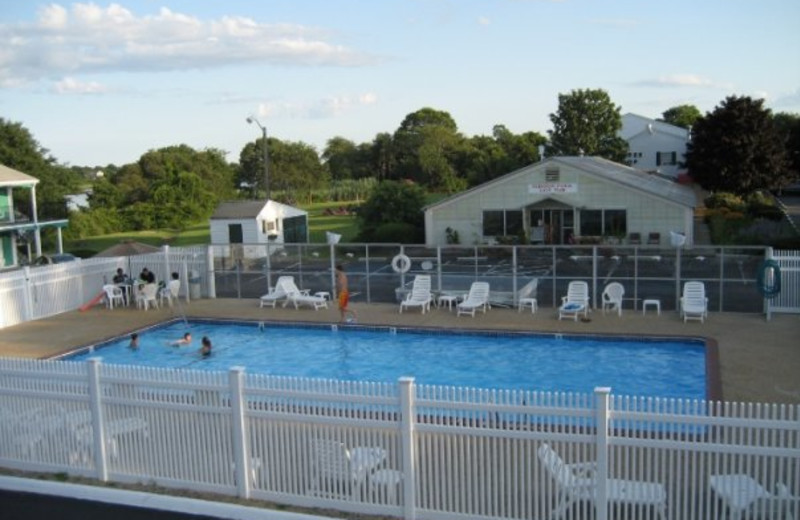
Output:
[[759, 360]]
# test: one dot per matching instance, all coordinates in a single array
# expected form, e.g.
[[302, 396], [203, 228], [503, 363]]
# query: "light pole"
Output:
[[251, 119]]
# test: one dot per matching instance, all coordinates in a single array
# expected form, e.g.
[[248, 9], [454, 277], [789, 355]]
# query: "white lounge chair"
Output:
[[297, 297], [420, 295], [612, 297], [277, 293], [527, 296], [478, 298], [576, 301], [114, 295], [577, 483], [745, 497], [694, 304], [341, 472]]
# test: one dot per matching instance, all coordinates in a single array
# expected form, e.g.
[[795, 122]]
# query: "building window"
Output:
[[666, 158], [552, 175], [502, 223], [633, 158], [604, 222]]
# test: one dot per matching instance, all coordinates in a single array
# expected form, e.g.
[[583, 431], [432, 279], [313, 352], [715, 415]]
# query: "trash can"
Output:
[[194, 285]]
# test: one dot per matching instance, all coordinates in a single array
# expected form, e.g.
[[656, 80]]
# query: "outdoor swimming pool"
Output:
[[648, 367]]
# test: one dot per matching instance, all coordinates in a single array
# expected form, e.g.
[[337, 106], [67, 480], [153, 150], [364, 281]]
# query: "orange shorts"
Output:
[[344, 297]]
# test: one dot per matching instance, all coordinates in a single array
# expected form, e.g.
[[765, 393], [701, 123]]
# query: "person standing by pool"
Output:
[[344, 294], [205, 350]]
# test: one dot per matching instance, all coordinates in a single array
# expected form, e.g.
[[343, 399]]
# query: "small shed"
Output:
[[255, 222]]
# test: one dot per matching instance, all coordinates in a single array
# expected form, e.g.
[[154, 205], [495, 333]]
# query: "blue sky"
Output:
[[100, 83]]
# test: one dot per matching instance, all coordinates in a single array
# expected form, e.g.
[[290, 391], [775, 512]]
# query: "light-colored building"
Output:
[[654, 146], [563, 200], [254, 222], [20, 226]]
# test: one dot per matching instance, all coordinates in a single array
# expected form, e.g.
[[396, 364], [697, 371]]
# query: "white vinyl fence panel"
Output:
[[400, 449], [788, 301]]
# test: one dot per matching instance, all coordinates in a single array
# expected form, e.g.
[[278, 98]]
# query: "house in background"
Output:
[[250, 223], [654, 146], [562, 200], [19, 223]]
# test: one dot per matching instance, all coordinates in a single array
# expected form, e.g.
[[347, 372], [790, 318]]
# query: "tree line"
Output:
[[740, 146]]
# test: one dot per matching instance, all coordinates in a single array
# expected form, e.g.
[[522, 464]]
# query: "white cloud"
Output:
[[615, 22], [789, 100], [482, 20], [683, 80], [89, 38], [331, 106], [73, 86]]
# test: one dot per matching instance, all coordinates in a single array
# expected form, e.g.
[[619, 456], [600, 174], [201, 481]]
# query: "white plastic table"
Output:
[[651, 303]]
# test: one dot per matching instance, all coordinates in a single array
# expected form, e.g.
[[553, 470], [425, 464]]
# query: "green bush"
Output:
[[397, 232], [725, 200]]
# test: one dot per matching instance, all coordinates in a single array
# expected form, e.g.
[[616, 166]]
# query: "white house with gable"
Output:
[[563, 200], [654, 146], [249, 223]]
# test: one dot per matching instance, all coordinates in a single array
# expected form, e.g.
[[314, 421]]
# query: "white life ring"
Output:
[[401, 263]]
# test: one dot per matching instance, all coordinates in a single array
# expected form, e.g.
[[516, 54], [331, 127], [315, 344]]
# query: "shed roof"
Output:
[[12, 177], [601, 168], [247, 209]]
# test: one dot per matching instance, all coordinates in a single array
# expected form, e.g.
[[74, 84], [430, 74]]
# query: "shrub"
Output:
[[725, 200], [401, 232]]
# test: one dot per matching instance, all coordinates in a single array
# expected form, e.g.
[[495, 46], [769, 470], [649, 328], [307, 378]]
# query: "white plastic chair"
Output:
[[298, 297], [147, 296], [277, 293], [612, 297], [114, 295], [170, 291], [527, 296], [341, 472], [577, 483], [478, 298], [745, 497], [420, 295], [575, 302], [694, 304]]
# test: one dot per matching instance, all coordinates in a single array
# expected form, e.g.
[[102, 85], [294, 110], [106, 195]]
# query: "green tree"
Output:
[[410, 137], [393, 203], [382, 158], [684, 116], [788, 126], [345, 160], [737, 148], [295, 166], [586, 123], [19, 150]]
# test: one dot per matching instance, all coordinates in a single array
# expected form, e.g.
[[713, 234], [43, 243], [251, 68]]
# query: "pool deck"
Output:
[[759, 359]]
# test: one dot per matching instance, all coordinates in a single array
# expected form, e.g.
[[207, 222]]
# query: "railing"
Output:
[[408, 450]]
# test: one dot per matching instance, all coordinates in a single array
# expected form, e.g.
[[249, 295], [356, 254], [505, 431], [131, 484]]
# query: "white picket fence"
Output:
[[788, 300], [405, 450]]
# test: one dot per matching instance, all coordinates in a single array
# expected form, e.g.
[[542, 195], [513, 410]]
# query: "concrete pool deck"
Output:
[[759, 359]]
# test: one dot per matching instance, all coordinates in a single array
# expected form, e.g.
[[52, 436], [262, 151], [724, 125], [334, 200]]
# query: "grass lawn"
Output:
[[197, 234]]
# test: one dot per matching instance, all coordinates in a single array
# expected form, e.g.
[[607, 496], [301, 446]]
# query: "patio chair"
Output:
[[339, 472], [478, 298], [169, 292], [654, 239], [612, 297], [694, 304], [114, 295], [527, 296], [146, 297], [420, 295], [277, 293], [635, 239], [576, 301], [301, 297], [577, 483], [745, 497]]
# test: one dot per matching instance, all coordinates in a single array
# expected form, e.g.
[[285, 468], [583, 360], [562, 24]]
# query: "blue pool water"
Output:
[[525, 362]]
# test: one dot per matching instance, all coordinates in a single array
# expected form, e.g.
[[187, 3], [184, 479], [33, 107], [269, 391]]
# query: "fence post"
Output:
[[240, 459], [335, 294], [407, 443], [167, 269], [601, 400], [96, 408], [212, 284], [27, 292]]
